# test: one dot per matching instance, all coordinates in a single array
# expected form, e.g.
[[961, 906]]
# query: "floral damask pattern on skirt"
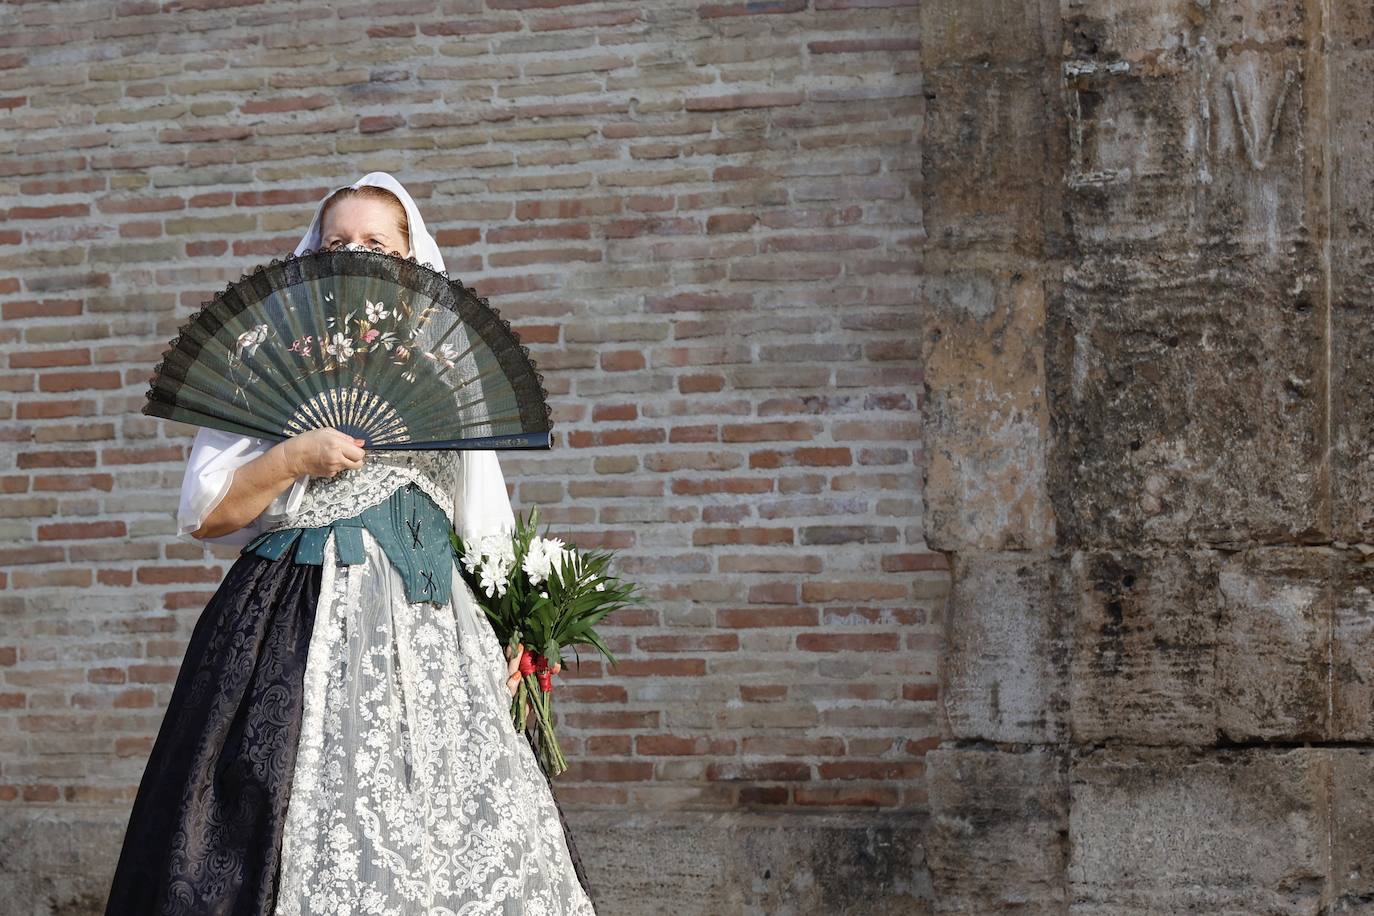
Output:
[[206, 825]]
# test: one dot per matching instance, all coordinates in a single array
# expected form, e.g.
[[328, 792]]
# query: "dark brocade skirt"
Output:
[[204, 836]]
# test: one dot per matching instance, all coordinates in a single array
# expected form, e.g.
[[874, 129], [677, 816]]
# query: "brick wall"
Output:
[[702, 217]]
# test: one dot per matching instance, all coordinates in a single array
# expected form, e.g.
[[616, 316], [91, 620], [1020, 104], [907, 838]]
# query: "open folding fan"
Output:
[[376, 345]]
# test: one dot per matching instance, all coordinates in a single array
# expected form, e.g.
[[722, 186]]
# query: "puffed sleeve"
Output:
[[481, 504], [215, 455]]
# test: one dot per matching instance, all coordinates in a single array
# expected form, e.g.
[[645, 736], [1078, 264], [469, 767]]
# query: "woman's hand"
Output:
[[323, 452], [513, 668], [252, 487]]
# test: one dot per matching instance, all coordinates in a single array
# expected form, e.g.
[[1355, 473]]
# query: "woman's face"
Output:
[[370, 223]]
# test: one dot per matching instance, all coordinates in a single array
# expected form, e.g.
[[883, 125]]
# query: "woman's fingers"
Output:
[[513, 667]]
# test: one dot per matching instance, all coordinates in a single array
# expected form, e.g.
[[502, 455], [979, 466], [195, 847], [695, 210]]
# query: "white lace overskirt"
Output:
[[413, 793]]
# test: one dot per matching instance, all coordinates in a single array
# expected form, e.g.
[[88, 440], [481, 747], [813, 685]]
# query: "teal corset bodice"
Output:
[[411, 529]]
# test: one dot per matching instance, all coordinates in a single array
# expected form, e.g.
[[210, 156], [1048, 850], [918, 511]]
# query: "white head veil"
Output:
[[422, 244], [480, 502]]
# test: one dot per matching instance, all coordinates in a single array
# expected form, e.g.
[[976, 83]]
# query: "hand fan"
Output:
[[373, 344]]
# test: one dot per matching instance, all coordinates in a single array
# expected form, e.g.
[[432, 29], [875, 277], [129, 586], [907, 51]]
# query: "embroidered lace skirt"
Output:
[[332, 748]]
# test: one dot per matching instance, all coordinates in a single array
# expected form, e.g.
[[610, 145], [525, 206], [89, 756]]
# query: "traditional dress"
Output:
[[339, 740]]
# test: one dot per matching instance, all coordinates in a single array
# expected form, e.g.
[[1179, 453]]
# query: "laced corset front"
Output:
[[327, 499]]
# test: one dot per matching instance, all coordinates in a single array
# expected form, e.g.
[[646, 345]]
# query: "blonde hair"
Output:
[[370, 192]]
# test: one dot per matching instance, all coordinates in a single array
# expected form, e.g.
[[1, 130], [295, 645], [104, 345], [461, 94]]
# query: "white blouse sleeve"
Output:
[[215, 455], [481, 504]]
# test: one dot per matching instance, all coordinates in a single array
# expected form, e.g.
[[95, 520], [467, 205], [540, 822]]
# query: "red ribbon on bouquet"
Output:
[[536, 664]]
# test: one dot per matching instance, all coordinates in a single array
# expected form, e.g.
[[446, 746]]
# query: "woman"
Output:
[[339, 738]]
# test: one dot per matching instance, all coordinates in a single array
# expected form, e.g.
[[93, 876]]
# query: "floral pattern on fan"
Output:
[[331, 352], [351, 342]]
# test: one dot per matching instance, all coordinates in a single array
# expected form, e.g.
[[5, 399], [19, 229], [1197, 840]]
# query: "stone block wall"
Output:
[[1147, 300]]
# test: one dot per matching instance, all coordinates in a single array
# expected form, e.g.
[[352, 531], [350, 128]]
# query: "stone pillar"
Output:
[[994, 152], [1149, 356]]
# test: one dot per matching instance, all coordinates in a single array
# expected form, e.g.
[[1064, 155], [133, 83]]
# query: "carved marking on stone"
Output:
[[1259, 157], [1074, 68], [1204, 143], [1077, 69]]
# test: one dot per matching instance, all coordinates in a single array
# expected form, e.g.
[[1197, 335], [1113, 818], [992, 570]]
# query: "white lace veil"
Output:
[[480, 502]]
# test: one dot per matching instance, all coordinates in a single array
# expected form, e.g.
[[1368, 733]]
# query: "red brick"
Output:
[[75, 381], [55, 211], [48, 410], [622, 360], [153, 674], [767, 617], [140, 204], [762, 693], [279, 197], [137, 747], [380, 124], [914, 562], [871, 769], [704, 433], [764, 795], [284, 103], [68, 531], [213, 199], [921, 691], [208, 248], [695, 384], [112, 456], [67, 458], [773, 593], [43, 359], [40, 793]]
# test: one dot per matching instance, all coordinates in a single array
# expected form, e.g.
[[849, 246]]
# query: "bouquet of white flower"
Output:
[[538, 592]]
